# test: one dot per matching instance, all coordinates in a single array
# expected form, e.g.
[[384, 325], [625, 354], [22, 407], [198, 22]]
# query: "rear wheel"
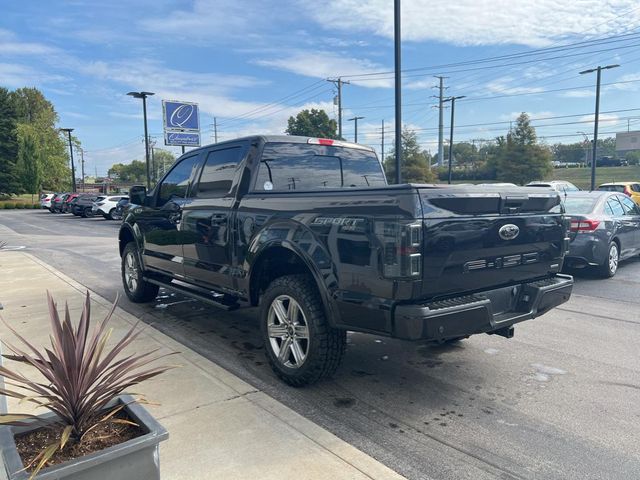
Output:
[[137, 289], [301, 346], [110, 214], [610, 265]]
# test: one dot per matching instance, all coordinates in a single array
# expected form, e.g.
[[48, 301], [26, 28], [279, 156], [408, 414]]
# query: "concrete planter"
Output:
[[137, 458]]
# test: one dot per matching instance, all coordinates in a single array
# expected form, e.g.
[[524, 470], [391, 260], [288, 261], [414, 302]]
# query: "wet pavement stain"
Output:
[[344, 402]]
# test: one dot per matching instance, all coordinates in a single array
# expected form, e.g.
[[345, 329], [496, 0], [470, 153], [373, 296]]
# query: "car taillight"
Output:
[[401, 248], [584, 225]]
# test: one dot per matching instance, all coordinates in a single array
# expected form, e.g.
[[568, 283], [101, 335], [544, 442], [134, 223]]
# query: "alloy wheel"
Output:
[[130, 272], [288, 331]]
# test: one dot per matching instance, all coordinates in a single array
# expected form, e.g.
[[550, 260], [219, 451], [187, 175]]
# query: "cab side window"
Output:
[[176, 183], [218, 173]]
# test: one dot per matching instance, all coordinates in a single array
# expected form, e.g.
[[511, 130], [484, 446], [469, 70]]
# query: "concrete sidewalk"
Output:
[[219, 426]]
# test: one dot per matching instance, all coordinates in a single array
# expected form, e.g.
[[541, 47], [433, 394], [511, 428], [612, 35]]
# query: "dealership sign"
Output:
[[181, 123]]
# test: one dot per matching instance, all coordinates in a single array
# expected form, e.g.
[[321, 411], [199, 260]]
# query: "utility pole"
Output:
[[215, 130], [338, 82], [441, 120], [594, 158], [82, 164], [382, 143], [398, 85], [73, 168], [355, 119], [453, 109]]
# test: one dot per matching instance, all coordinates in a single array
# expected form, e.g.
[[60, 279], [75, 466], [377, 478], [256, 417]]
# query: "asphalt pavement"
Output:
[[559, 400]]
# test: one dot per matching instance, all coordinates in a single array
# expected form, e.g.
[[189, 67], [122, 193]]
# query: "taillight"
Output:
[[401, 248], [584, 225]]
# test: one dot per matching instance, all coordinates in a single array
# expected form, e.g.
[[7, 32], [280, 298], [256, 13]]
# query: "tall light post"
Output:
[[398, 85], [143, 96], [355, 119], [594, 158], [453, 108], [73, 168]]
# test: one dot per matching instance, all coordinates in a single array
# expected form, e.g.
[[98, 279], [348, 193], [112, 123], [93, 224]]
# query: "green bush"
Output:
[[35, 206], [9, 205], [19, 205]]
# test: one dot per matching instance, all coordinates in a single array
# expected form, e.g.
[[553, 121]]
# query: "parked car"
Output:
[[66, 203], [82, 206], [106, 206], [558, 185], [121, 208], [308, 229], [605, 229], [58, 202], [630, 189], [45, 200]]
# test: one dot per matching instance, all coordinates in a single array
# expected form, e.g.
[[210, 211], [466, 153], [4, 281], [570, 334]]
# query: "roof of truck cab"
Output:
[[277, 139]]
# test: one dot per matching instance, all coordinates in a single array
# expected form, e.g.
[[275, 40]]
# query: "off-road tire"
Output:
[[326, 345], [608, 269], [142, 291]]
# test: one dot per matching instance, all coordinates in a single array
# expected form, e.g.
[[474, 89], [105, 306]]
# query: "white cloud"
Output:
[[322, 64], [18, 75], [603, 119], [502, 86], [9, 48], [508, 117], [582, 93], [480, 22]]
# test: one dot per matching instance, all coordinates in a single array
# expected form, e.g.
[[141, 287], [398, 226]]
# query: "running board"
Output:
[[203, 297]]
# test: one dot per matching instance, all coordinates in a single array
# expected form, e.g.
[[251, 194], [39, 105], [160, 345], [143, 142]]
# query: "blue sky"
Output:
[[253, 63]]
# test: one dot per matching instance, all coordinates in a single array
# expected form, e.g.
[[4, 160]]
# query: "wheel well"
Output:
[[125, 236], [273, 263]]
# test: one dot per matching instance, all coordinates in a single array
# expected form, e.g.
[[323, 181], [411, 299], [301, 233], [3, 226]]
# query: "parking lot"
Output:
[[559, 400]]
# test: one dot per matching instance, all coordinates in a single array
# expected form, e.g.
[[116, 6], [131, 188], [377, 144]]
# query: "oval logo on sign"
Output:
[[508, 231]]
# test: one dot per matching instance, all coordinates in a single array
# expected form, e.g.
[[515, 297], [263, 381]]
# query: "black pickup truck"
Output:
[[309, 230]]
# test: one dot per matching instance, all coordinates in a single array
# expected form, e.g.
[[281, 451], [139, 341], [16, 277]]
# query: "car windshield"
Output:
[[579, 205], [612, 188]]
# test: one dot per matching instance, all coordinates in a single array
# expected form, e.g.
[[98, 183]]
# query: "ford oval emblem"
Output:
[[509, 231]]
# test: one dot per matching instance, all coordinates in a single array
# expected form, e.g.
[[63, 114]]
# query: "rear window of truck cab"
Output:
[[300, 166]]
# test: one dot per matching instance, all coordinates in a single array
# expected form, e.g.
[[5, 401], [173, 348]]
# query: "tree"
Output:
[[570, 152], [162, 161], [312, 123], [35, 111], [414, 162], [9, 182], [133, 172], [29, 163], [520, 159]]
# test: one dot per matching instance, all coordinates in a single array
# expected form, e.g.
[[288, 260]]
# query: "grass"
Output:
[[581, 177]]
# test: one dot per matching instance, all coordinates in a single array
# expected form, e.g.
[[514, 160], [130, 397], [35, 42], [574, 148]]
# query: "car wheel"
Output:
[[87, 213], [301, 346], [610, 265], [109, 215], [116, 215], [137, 289]]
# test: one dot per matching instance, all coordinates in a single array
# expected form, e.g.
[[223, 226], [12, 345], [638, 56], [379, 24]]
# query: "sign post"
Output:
[[181, 122]]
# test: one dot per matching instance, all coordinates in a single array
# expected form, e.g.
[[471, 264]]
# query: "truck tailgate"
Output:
[[480, 238]]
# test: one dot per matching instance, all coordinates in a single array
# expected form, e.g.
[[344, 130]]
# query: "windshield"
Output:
[[579, 206], [301, 166]]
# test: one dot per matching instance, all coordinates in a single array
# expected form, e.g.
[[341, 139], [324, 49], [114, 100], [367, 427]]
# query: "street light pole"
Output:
[[453, 109], [594, 158], [143, 96], [398, 85], [355, 119], [73, 168]]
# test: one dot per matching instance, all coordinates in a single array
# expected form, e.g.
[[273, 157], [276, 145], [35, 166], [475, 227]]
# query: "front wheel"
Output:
[[137, 289], [610, 265], [301, 346]]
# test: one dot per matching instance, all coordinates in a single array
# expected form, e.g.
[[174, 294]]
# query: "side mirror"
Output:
[[137, 194]]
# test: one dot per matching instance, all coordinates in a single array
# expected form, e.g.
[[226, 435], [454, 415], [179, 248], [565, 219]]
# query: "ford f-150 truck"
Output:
[[309, 230]]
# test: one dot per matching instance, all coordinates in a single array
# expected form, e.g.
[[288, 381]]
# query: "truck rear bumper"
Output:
[[482, 312]]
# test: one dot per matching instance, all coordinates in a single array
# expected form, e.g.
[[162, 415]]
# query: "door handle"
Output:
[[219, 219]]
